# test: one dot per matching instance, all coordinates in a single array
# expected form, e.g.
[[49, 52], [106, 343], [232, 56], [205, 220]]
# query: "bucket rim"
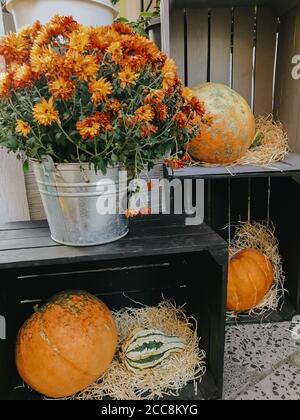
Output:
[[10, 3], [72, 166]]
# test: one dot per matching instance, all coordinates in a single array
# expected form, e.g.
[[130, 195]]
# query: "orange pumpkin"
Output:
[[67, 345], [232, 130], [250, 278]]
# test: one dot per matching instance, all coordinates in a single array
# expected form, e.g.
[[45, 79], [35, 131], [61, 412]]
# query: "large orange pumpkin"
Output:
[[250, 278], [232, 130], [67, 345]]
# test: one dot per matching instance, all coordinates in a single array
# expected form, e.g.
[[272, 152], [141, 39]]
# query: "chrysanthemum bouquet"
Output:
[[104, 95]]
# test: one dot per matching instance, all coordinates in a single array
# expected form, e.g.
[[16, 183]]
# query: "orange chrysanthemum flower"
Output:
[[14, 48], [174, 163], [23, 128], [197, 106], [100, 89], [186, 158], [161, 112], [85, 67], [130, 213], [59, 25], [194, 122], [155, 97], [61, 88], [45, 113], [145, 211], [93, 126], [187, 94], [145, 114], [30, 32], [5, 84], [135, 62], [80, 39], [181, 119], [114, 106], [149, 49], [43, 59], [99, 39], [122, 28], [130, 121], [127, 77], [22, 76], [169, 74], [148, 130], [115, 50]]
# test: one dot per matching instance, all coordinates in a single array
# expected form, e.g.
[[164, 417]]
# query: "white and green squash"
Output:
[[145, 349]]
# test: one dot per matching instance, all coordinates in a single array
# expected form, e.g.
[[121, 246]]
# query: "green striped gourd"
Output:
[[145, 349]]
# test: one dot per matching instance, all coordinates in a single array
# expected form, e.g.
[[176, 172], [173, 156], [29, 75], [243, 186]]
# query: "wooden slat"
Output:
[[197, 41], [35, 204], [34, 243], [177, 40], [37, 224], [221, 3], [165, 26], [13, 200], [192, 239], [243, 51], [284, 6], [23, 233], [265, 60], [288, 167], [287, 97], [220, 46]]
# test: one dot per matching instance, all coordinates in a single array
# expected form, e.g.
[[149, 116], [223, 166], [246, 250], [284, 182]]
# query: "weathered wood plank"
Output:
[[220, 46], [35, 204], [23, 233], [243, 51], [291, 165], [265, 60], [287, 97], [197, 44], [165, 26], [24, 225], [177, 40], [13, 200], [162, 242]]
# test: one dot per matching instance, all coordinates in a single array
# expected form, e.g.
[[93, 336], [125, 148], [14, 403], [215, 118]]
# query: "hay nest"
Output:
[[261, 237], [119, 383], [270, 145]]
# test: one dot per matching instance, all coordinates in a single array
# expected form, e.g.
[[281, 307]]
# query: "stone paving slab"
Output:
[[256, 357], [283, 384]]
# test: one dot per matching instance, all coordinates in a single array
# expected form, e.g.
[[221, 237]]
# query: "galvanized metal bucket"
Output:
[[71, 194]]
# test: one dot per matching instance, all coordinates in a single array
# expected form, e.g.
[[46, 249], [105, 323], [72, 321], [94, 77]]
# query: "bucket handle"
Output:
[[49, 166]]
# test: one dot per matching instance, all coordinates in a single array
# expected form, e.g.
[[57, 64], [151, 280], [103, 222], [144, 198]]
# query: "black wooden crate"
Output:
[[160, 258], [242, 193]]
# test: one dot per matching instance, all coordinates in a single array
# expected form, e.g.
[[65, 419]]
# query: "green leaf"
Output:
[[114, 158], [25, 166], [122, 19], [147, 15], [257, 139], [101, 165]]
